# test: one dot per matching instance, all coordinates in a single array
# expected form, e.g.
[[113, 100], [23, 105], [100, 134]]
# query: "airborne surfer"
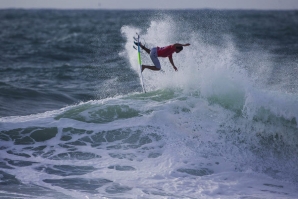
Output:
[[166, 51]]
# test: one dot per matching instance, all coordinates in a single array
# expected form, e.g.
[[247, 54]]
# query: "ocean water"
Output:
[[74, 122]]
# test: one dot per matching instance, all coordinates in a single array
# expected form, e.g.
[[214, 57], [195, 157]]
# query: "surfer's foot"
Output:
[[143, 68], [137, 43]]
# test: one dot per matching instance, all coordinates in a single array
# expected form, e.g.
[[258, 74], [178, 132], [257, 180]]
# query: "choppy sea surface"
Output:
[[74, 122]]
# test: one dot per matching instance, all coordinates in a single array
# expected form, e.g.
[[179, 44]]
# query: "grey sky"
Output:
[[152, 4]]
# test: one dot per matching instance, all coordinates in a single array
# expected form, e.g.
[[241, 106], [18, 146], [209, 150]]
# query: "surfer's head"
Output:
[[179, 48]]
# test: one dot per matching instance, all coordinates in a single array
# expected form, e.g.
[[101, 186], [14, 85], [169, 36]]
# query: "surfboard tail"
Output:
[[140, 61]]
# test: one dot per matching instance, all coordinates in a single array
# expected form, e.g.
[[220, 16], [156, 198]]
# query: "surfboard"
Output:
[[140, 61]]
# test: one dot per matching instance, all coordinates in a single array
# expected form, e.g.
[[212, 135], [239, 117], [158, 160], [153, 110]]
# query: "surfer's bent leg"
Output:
[[149, 67], [153, 56], [145, 49]]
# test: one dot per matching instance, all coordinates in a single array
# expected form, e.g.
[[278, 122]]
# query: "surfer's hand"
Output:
[[175, 68]]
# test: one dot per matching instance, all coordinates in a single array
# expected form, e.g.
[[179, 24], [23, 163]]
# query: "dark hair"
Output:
[[179, 47]]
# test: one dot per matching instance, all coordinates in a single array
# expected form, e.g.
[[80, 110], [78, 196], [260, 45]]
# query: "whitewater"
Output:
[[223, 126]]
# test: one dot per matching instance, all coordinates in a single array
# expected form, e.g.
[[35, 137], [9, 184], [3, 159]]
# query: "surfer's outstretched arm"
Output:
[[177, 44]]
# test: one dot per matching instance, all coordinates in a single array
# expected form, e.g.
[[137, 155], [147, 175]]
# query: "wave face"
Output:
[[76, 125]]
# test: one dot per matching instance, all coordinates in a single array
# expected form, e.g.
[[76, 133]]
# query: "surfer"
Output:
[[166, 51]]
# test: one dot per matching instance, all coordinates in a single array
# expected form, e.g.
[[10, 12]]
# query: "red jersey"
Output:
[[166, 51]]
